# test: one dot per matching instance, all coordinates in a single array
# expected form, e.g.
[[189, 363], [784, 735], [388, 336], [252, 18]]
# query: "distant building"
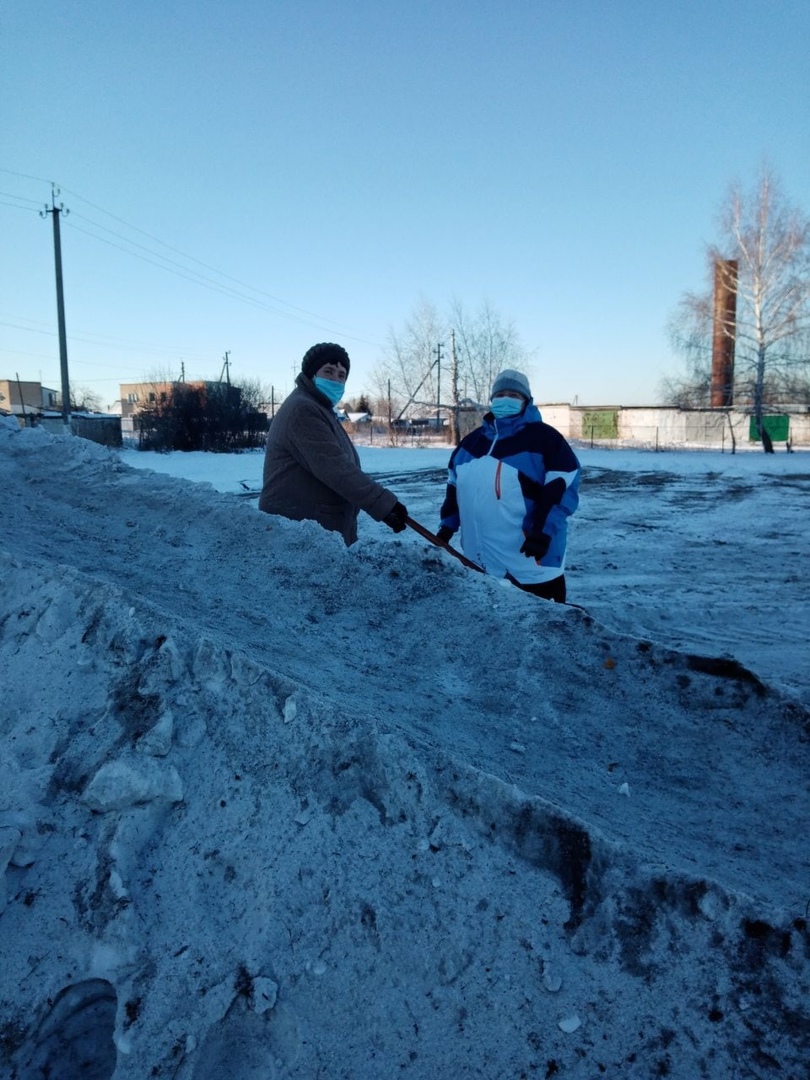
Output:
[[36, 405], [652, 427], [22, 398], [200, 415], [140, 397], [659, 426]]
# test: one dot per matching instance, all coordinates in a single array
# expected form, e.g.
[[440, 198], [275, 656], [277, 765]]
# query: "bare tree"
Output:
[[691, 390], [485, 345], [157, 386], [770, 241], [408, 372], [221, 416], [420, 372], [255, 394], [83, 399]]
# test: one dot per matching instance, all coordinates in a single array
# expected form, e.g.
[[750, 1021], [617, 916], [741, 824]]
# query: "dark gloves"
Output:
[[535, 547], [396, 519], [444, 534]]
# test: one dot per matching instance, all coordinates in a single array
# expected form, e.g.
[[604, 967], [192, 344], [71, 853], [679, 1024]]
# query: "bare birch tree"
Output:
[[83, 399], [770, 239], [485, 345], [407, 375], [418, 367]]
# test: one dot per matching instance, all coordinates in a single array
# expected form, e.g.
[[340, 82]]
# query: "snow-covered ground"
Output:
[[270, 807], [699, 550]]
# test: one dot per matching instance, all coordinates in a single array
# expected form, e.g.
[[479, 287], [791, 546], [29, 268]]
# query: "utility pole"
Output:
[[455, 433], [60, 303], [22, 396], [439, 387], [182, 371], [226, 369]]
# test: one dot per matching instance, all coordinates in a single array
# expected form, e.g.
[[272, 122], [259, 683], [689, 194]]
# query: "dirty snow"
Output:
[[270, 807]]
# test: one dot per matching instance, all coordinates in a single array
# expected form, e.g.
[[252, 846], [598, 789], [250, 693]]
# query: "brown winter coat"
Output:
[[311, 468]]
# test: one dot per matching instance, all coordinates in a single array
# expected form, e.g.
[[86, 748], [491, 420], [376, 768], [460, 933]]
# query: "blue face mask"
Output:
[[331, 389], [506, 406]]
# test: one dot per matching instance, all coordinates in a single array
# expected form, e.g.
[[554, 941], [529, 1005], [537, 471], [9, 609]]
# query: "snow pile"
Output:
[[274, 808]]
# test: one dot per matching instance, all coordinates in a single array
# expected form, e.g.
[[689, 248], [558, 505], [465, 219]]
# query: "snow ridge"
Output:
[[306, 824]]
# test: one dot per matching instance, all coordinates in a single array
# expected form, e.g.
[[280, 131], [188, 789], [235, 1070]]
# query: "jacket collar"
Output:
[[303, 382]]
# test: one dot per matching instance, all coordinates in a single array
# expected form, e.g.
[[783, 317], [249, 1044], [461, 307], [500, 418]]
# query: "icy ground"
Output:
[[271, 808]]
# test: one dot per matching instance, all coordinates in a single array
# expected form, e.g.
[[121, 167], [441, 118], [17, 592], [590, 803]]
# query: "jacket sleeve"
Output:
[[551, 502], [317, 448], [449, 515]]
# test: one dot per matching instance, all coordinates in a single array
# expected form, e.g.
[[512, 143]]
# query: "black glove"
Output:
[[396, 519], [444, 534], [535, 547]]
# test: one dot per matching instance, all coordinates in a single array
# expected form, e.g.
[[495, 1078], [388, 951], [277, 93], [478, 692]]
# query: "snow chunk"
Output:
[[119, 784], [9, 838], [265, 993], [569, 1024], [24, 851], [158, 740]]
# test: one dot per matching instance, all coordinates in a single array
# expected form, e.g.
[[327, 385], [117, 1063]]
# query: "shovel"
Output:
[[428, 535]]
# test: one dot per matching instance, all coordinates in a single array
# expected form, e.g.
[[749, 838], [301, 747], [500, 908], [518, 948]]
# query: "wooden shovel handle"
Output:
[[428, 535]]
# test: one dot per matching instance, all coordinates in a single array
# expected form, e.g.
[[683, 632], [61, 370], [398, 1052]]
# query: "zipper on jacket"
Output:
[[497, 436], [498, 480]]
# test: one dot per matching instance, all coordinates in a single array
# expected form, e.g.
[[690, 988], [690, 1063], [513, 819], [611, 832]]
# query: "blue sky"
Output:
[[327, 164]]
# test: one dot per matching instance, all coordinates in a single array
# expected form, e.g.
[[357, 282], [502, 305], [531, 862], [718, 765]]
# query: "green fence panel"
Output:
[[778, 427], [600, 424]]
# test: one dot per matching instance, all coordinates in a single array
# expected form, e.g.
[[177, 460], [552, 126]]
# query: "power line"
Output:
[[25, 176], [276, 305], [22, 352], [196, 279], [34, 204], [206, 282], [176, 268], [199, 262], [28, 329], [106, 341], [103, 341], [172, 267]]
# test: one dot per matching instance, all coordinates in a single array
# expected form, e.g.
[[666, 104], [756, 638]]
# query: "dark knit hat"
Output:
[[325, 353]]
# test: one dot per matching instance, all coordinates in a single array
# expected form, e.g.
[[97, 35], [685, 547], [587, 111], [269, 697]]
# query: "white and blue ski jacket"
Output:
[[509, 479]]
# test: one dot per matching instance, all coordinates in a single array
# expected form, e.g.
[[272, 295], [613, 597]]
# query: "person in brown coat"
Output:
[[311, 468]]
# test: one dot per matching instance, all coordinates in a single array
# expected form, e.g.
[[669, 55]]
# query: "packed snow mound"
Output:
[[272, 807]]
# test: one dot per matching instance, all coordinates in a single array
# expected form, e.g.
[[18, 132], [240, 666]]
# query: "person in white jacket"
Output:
[[512, 485]]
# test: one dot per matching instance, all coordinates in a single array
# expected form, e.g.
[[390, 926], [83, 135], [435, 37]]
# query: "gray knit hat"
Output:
[[512, 380]]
